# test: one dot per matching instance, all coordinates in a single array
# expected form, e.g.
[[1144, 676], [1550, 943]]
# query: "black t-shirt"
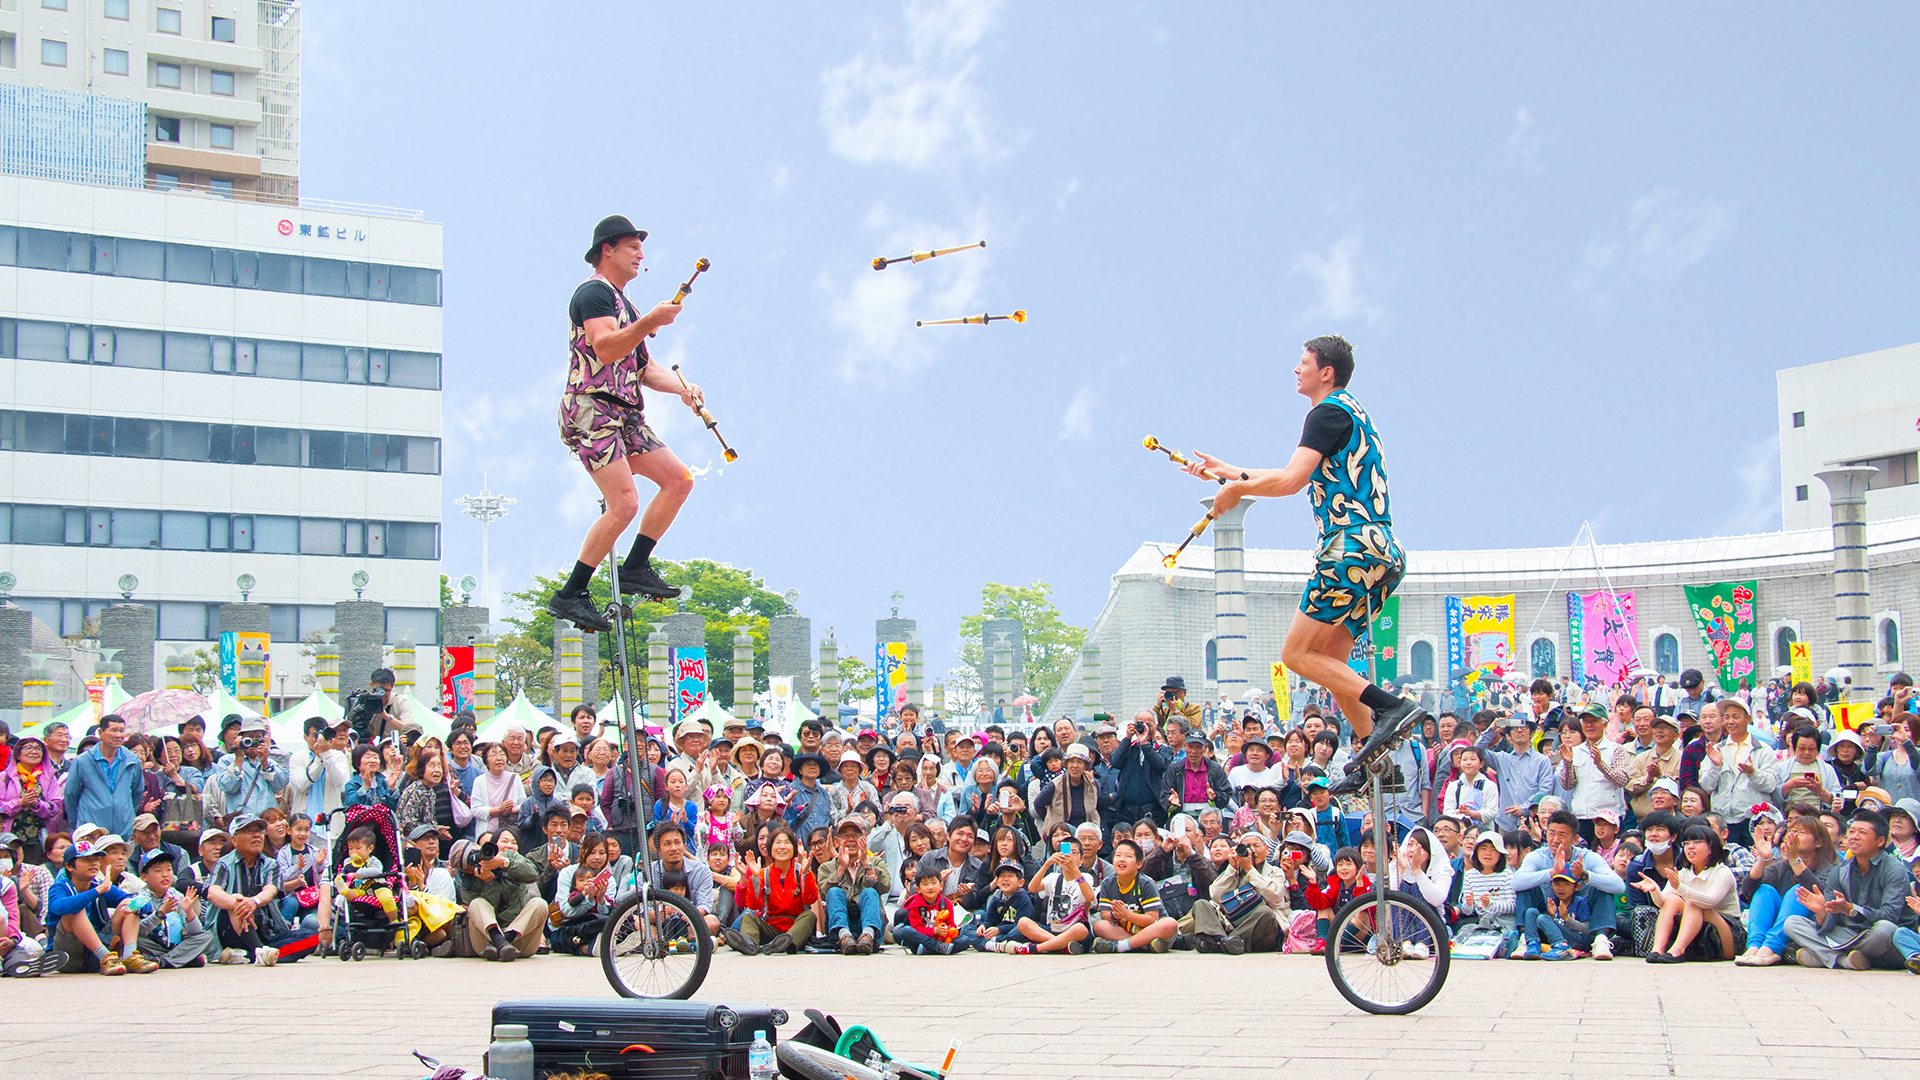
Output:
[[1327, 429], [592, 300]]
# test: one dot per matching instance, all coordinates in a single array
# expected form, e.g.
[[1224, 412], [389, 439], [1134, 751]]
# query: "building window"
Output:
[[220, 136], [114, 61], [222, 83], [1666, 654], [222, 29], [166, 21], [1213, 660], [1783, 640], [167, 75], [116, 9], [166, 129], [54, 5], [1799, 419], [1800, 493], [53, 53], [1544, 657], [1420, 661], [1896, 470], [1889, 640], [222, 188], [166, 181], [6, 51]]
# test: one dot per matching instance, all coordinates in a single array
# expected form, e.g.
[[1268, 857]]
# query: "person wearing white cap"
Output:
[[1740, 771], [563, 753], [690, 738], [852, 790], [251, 779]]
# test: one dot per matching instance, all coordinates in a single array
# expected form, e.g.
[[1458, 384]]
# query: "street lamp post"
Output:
[[487, 508]]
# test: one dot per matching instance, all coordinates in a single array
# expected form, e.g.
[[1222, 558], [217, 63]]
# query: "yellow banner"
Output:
[[1853, 715], [1282, 694], [1802, 662], [1486, 631]]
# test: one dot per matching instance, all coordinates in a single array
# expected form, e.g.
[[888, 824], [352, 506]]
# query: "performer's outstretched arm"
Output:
[[1269, 482]]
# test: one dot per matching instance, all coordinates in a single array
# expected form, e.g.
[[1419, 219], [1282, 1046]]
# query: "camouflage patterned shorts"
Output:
[[600, 432]]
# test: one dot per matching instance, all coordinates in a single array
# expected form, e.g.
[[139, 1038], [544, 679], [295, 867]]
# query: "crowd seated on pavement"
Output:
[[1664, 820]]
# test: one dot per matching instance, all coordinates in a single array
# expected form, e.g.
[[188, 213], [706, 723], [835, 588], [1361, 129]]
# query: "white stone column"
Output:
[[742, 676], [1230, 599], [1090, 681], [827, 693], [1852, 598]]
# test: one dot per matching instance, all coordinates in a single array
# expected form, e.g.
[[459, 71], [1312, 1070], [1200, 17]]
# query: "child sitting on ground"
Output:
[[1346, 882], [676, 808], [1565, 924], [1006, 908], [170, 929], [1064, 895], [720, 826], [362, 866], [932, 923]]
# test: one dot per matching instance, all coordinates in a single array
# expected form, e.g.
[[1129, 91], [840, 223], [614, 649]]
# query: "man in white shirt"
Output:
[[1740, 772], [318, 772], [1596, 772], [1253, 773]]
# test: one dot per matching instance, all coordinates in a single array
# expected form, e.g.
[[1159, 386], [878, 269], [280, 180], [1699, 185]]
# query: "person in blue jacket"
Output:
[[105, 784]]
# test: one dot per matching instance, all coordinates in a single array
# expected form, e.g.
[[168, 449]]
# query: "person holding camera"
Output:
[[1173, 703], [1244, 906], [1138, 765], [492, 883], [251, 780], [376, 712]]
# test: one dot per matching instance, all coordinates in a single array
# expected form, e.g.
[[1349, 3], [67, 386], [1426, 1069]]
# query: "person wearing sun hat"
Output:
[[603, 425], [87, 910]]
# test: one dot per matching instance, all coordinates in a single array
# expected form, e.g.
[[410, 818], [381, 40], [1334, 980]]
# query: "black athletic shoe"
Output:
[[645, 581], [579, 611], [1389, 727]]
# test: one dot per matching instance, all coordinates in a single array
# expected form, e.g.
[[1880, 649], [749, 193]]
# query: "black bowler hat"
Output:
[[612, 228]]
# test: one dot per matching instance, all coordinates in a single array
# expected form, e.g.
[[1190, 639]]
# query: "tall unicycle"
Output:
[[1388, 950], [655, 944]]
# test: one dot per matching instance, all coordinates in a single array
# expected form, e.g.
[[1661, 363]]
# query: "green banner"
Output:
[[1386, 631], [1724, 614]]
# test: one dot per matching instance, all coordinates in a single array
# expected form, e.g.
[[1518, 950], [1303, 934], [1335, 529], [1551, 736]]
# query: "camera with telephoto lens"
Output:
[[1243, 850]]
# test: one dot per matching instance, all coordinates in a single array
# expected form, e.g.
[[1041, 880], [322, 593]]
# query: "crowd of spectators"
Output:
[[1556, 825]]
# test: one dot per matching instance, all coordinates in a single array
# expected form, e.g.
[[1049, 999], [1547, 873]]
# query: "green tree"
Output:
[[446, 591], [856, 680], [732, 599], [522, 665], [1051, 642], [206, 670]]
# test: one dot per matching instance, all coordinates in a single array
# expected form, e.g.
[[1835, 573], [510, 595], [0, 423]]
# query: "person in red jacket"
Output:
[[1326, 897], [780, 897], [932, 921]]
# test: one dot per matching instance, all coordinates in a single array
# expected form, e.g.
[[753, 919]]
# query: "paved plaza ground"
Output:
[[1142, 1017]]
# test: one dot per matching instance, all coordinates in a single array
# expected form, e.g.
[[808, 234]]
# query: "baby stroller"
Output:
[[359, 922]]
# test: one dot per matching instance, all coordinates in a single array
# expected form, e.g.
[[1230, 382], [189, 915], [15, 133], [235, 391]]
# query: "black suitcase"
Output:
[[639, 1038]]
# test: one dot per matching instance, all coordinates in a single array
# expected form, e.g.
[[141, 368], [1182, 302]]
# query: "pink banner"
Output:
[[1610, 636]]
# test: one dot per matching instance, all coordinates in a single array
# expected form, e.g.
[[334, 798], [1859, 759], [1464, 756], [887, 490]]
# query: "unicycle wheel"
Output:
[[1388, 956], [656, 946]]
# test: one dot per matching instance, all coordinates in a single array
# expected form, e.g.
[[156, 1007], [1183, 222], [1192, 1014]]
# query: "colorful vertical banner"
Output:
[[1802, 662], [1575, 634], [456, 683], [889, 676], [780, 703], [1724, 614], [1612, 636], [1282, 694], [689, 667], [229, 661], [1852, 715], [1386, 639], [1456, 645], [97, 695]]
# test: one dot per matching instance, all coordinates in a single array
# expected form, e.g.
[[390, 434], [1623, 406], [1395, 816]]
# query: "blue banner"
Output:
[[1456, 644], [889, 676], [1576, 628], [689, 667], [229, 661]]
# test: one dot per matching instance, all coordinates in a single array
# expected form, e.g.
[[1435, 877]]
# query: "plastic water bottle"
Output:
[[510, 1055], [760, 1061]]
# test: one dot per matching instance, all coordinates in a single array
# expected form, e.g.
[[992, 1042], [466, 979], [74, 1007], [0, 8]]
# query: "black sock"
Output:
[[577, 581], [495, 936], [642, 552], [1377, 699]]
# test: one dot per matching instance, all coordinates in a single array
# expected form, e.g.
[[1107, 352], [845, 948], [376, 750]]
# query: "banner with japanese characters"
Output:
[[689, 668], [1724, 614], [1610, 637], [1479, 639], [456, 682], [889, 677]]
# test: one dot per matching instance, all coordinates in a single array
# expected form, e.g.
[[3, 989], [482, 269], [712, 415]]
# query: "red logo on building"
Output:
[[286, 227]]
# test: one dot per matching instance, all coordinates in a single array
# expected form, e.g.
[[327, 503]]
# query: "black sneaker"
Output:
[[578, 610], [1389, 727], [1233, 946], [645, 581], [1206, 943], [1183, 942]]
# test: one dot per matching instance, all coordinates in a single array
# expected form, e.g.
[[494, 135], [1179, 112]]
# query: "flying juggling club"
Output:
[[973, 320], [1178, 458], [922, 256], [707, 416], [686, 286]]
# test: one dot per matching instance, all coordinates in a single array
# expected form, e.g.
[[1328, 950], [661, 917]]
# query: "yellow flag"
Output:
[[1853, 715], [1282, 694], [1802, 662]]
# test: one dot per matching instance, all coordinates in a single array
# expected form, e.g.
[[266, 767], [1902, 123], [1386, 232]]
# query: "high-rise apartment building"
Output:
[[202, 375]]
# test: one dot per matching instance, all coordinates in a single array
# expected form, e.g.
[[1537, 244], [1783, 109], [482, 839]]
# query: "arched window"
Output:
[[1889, 641], [1213, 660], [1666, 654], [1783, 640], [1546, 660], [1420, 664]]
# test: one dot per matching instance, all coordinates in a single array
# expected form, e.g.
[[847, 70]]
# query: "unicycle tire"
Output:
[[1401, 981], [642, 961], [812, 1063]]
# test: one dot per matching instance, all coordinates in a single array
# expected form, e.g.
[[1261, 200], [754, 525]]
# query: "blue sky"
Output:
[[1570, 246]]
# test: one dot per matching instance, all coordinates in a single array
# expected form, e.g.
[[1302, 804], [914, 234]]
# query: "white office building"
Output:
[[1857, 410], [202, 375]]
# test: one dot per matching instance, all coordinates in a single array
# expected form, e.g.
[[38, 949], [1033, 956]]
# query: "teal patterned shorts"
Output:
[[1354, 573]]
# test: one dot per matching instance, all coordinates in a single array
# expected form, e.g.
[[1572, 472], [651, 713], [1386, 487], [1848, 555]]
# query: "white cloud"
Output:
[[914, 110], [1523, 140], [1758, 476], [1665, 232], [1076, 423], [875, 311], [1345, 283]]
